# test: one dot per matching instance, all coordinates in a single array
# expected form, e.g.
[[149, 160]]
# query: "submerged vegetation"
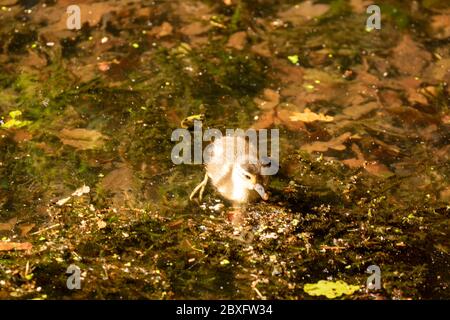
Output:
[[86, 176]]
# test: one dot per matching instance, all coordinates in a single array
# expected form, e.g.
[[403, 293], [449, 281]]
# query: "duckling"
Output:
[[236, 176]]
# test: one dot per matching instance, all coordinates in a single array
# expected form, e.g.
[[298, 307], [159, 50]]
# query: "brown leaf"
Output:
[[265, 120], [413, 116], [356, 112], [353, 162], [411, 86], [304, 11], [82, 139], [283, 118], [7, 246], [237, 40], [118, 180], [373, 167], [440, 70], [25, 228], [377, 169], [196, 28], [176, 224], [56, 16], [270, 100], [163, 30], [410, 58], [360, 6], [308, 116]]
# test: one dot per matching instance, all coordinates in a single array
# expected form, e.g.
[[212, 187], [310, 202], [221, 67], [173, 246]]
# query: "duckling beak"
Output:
[[259, 188]]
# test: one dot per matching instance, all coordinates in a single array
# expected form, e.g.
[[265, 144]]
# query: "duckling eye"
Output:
[[247, 177]]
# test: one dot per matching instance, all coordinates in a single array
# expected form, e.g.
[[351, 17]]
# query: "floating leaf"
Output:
[[329, 289]]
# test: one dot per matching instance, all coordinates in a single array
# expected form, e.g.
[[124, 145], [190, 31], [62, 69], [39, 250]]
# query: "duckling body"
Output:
[[234, 169]]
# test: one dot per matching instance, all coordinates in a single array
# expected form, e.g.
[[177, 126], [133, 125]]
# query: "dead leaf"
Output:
[[7, 246], [410, 58], [304, 11], [284, 111], [82, 139], [55, 17], [322, 146], [277, 114], [8, 225], [353, 162], [62, 201], [195, 28], [377, 169], [120, 179], [372, 167], [189, 11], [175, 224], [360, 6], [163, 30], [120, 184], [445, 194], [440, 70], [270, 99], [308, 116], [413, 116], [80, 191], [441, 26], [237, 40], [101, 224], [22, 135], [104, 66], [356, 112], [25, 228], [411, 85]]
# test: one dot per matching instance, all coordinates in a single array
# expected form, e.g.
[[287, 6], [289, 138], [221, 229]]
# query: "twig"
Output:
[[45, 229]]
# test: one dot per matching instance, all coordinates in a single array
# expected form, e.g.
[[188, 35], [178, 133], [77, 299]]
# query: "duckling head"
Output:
[[245, 181]]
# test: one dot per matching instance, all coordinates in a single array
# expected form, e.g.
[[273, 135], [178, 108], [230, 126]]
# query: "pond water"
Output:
[[86, 175]]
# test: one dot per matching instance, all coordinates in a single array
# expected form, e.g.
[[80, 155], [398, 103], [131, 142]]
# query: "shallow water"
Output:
[[364, 148]]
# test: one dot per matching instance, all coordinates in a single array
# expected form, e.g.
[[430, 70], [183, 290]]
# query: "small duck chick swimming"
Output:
[[234, 170]]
